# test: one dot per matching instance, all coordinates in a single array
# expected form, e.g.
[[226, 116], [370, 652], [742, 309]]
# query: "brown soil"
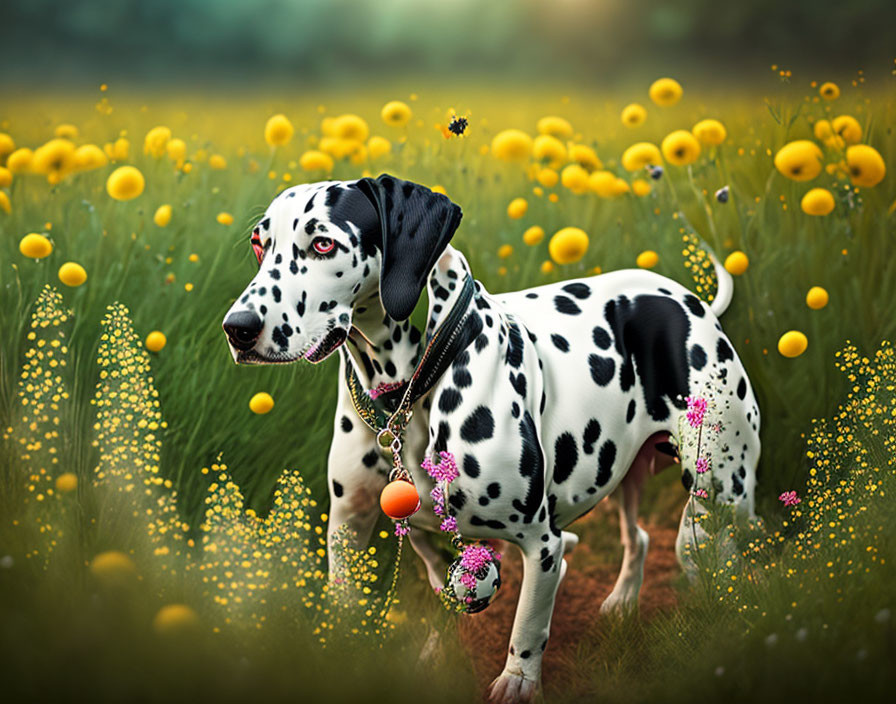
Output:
[[589, 579]]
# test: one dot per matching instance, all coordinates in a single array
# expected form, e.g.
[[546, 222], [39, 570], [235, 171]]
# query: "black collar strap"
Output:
[[392, 410]]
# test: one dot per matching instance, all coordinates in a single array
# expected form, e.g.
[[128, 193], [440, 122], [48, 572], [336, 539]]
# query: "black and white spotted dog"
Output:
[[569, 391]]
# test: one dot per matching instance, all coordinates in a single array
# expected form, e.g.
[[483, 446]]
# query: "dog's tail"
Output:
[[724, 287]]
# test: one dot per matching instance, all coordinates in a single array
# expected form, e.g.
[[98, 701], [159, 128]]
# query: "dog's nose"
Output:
[[243, 329]]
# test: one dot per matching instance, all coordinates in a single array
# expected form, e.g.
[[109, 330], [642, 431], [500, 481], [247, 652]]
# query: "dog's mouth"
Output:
[[326, 346], [253, 357]]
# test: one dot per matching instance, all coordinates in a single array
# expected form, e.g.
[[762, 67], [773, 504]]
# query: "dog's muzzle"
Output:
[[243, 329]]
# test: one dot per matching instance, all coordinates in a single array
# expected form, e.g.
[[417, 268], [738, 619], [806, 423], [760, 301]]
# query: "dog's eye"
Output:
[[256, 245], [323, 245]]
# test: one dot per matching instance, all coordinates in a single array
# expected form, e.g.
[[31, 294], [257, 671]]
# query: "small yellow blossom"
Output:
[[217, 162], [710, 132], [633, 115], [568, 245], [314, 160], [35, 246], [261, 403], [350, 127], [20, 160], [866, 166], [533, 236], [517, 208], [67, 482], [546, 267], [549, 150], [848, 128], [584, 156], [66, 131], [278, 130], [89, 156], [792, 344], [177, 150], [641, 154], [817, 298], [5, 205], [175, 620], [647, 259], [125, 183], [162, 216], [512, 145], [156, 141], [155, 341], [72, 274], [547, 177], [665, 91], [7, 145], [225, 218], [736, 263], [818, 201], [378, 147], [505, 251], [799, 160], [555, 126], [680, 148], [5, 177], [575, 178], [396, 113], [640, 187], [829, 91], [113, 568]]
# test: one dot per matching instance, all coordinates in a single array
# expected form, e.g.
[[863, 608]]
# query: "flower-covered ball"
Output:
[[474, 578]]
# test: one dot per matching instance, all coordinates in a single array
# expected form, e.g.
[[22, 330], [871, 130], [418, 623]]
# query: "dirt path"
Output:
[[588, 581]]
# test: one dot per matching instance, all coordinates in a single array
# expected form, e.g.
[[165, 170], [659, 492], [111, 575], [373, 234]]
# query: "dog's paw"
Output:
[[512, 688], [617, 605]]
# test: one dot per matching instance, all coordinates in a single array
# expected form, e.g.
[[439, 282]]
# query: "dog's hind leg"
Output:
[[436, 566]]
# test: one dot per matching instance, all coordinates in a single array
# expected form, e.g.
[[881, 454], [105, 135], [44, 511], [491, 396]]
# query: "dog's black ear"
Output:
[[415, 227]]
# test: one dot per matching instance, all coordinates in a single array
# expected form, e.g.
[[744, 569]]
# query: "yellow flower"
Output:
[[56, 157], [647, 259], [575, 178], [639, 155], [633, 115], [505, 251], [818, 201], [546, 267], [175, 620], [533, 236], [162, 216], [118, 150], [829, 91], [155, 341], [156, 141], [602, 183], [20, 160], [125, 183], [177, 150], [225, 218], [72, 274], [314, 160], [584, 156], [792, 343], [640, 187], [547, 177], [680, 148], [378, 146], [665, 91], [278, 130], [5, 205], [66, 131], [113, 568], [512, 145], [7, 145], [568, 245], [67, 482], [517, 208], [217, 162], [823, 130], [710, 132], [866, 167], [351, 127], [261, 403], [35, 246], [5, 177], [555, 127], [817, 298], [848, 127], [799, 160], [396, 113], [549, 150], [90, 156], [736, 263]]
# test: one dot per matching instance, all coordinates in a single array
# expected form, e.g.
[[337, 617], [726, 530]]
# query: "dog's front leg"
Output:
[[542, 572]]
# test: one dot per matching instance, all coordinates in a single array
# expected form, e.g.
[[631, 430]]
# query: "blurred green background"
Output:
[[309, 41]]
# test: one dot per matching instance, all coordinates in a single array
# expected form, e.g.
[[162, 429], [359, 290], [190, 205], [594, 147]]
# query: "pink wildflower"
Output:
[[468, 580], [475, 557], [449, 524], [701, 494], [444, 471], [696, 410], [702, 465], [789, 498], [402, 528]]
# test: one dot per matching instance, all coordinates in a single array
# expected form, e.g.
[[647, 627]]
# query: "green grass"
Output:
[[204, 397]]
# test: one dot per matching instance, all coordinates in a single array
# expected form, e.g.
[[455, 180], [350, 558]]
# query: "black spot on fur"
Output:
[[566, 455], [605, 460], [441, 443], [514, 355], [532, 467], [371, 458], [694, 305], [493, 490], [742, 388], [630, 413], [471, 466], [602, 369], [560, 343], [579, 290], [449, 400], [487, 522], [698, 357], [337, 489], [592, 433], [723, 350], [346, 424], [518, 381], [601, 338], [479, 426], [566, 305]]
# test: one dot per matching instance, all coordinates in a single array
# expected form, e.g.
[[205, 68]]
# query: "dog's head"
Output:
[[323, 247]]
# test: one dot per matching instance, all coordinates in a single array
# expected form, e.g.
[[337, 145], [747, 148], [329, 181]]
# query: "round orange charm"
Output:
[[399, 500]]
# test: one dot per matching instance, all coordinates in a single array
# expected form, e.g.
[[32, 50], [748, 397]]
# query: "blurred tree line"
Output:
[[318, 39]]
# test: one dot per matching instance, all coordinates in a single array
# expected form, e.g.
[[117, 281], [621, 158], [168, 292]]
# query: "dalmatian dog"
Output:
[[566, 391]]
